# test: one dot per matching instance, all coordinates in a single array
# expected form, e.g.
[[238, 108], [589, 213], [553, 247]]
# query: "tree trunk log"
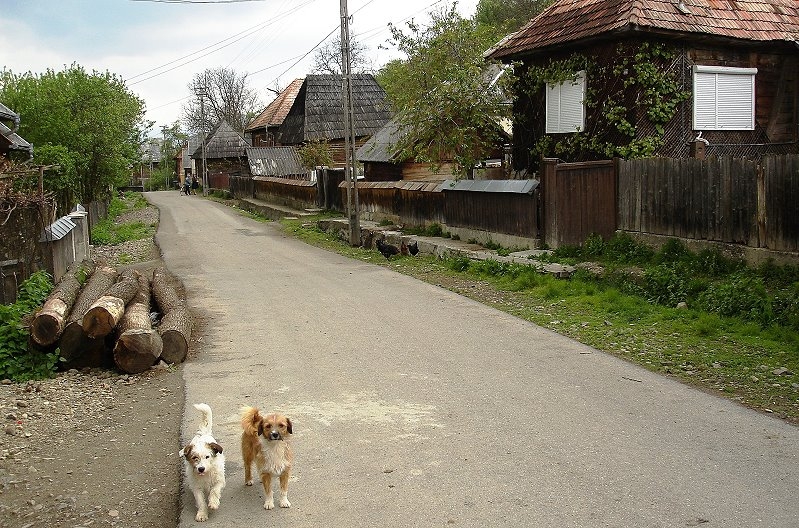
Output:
[[74, 341], [138, 346], [165, 290], [102, 317], [48, 324], [175, 330]]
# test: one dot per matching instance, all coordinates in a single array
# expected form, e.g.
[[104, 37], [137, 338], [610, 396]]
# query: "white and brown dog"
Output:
[[205, 466], [265, 440]]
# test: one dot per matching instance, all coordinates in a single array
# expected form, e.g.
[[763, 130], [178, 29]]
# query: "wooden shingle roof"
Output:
[[318, 110], [276, 111], [223, 142], [576, 20]]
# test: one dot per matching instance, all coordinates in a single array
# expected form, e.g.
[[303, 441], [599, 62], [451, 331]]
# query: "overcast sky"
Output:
[[157, 46]]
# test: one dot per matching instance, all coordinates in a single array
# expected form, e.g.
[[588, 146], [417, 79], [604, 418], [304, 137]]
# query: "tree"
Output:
[[327, 59], [225, 95], [444, 98], [508, 15], [89, 124]]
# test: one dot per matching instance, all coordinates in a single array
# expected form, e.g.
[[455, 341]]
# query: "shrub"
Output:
[[17, 361], [665, 284], [742, 295], [459, 264], [624, 249]]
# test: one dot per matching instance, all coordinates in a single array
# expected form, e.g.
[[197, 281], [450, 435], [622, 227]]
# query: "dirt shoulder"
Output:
[[95, 447]]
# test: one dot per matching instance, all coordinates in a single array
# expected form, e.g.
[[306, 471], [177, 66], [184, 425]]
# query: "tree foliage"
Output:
[[327, 59], [506, 16], [226, 95], [443, 93], [88, 124]]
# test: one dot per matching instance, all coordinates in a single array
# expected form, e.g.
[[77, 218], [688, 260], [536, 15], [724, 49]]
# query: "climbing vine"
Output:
[[629, 99]]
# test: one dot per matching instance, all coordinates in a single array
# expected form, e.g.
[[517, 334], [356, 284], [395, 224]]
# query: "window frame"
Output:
[[726, 99], [571, 111]]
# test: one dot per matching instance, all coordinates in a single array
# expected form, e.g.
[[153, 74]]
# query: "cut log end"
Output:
[[175, 346], [103, 316], [47, 328], [137, 350]]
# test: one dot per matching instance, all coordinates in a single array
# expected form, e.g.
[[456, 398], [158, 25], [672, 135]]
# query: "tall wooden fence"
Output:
[[578, 199], [728, 200]]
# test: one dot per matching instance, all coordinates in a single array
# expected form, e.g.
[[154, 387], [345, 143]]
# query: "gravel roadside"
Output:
[[95, 447]]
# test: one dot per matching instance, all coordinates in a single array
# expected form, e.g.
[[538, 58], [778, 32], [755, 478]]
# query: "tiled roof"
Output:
[[574, 20], [276, 111], [318, 111]]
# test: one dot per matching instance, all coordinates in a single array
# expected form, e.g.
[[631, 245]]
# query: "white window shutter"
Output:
[[724, 98], [565, 106]]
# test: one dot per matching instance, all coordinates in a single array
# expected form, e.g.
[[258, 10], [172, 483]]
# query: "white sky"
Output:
[[157, 46]]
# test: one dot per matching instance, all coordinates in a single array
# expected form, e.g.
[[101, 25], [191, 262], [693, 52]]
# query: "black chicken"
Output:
[[413, 249], [387, 249]]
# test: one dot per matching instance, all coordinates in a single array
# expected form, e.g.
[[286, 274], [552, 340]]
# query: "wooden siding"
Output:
[[578, 199], [508, 213], [298, 194], [409, 203], [780, 188]]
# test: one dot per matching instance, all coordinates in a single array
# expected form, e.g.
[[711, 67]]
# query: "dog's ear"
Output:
[[260, 428], [216, 448], [185, 452], [289, 426]]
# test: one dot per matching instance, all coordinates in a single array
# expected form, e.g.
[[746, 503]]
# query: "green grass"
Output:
[[109, 233], [734, 356]]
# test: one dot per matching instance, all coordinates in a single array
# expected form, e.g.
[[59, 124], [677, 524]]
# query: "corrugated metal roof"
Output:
[[15, 141], [382, 147], [58, 229], [223, 142], [276, 111], [493, 186], [574, 20], [274, 161], [318, 110]]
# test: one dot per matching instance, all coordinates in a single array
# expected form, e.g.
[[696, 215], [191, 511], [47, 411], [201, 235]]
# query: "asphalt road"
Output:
[[414, 406]]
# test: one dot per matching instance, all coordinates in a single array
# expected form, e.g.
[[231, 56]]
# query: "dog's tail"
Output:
[[208, 422], [249, 418]]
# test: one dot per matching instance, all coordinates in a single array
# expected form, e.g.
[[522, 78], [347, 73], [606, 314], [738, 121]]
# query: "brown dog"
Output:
[[265, 440]]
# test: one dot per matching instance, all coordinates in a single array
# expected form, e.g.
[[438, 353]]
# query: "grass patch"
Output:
[[631, 311], [109, 233]]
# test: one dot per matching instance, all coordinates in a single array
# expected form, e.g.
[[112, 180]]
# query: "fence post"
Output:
[[548, 209], [761, 206]]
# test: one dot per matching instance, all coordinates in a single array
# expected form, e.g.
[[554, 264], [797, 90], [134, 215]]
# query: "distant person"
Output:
[[195, 184], [187, 185]]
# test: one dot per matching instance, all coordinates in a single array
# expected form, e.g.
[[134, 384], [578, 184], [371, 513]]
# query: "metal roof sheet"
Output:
[[58, 229], [575, 20], [274, 161], [493, 186]]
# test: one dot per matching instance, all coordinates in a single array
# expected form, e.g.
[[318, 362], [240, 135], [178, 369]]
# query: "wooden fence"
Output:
[[727, 200], [577, 200], [403, 202]]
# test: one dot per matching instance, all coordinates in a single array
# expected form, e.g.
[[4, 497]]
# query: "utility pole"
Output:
[[201, 93], [349, 131]]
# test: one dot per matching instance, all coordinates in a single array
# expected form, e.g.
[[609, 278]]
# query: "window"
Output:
[[566, 105], [724, 98]]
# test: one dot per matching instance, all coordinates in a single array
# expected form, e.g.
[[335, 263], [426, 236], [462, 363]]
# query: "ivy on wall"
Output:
[[631, 95]]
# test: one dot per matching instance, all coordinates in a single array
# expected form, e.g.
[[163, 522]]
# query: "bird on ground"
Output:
[[386, 249], [413, 249]]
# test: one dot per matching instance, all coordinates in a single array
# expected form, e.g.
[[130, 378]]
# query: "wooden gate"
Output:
[[578, 199]]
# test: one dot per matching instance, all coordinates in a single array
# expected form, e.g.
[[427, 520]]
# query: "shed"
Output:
[[281, 162], [225, 151]]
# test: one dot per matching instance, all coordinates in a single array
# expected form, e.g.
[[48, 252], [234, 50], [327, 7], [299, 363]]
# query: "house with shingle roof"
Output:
[[630, 78], [263, 129], [225, 152], [318, 113]]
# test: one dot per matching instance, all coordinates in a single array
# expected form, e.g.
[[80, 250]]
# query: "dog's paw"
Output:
[[269, 505], [284, 503], [201, 516], [248, 482], [213, 504]]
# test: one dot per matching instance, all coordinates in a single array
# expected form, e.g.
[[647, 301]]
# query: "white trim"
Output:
[[729, 70]]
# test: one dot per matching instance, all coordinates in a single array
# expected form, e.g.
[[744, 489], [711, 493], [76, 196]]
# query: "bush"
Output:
[[666, 285], [17, 361], [459, 264], [742, 295]]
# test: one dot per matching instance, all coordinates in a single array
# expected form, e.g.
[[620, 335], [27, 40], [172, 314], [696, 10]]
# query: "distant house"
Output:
[[184, 163], [382, 162], [318, 113], [225, 152], [263, 129], [12, 145], [732, 70]]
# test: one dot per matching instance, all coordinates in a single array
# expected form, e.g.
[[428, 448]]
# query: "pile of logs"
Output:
[[99, 317]]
